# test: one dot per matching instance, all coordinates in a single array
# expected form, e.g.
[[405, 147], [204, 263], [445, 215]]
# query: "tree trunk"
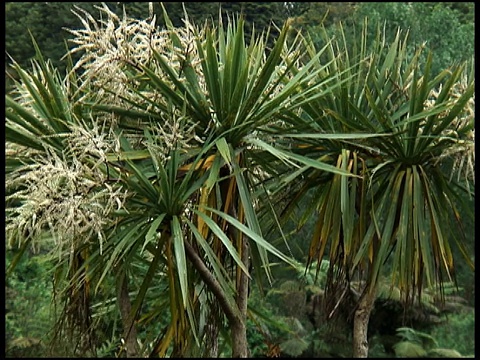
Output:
[[360, 323], [236, 317], [211, 350], [239, 327], [239, 339], [129, 329]]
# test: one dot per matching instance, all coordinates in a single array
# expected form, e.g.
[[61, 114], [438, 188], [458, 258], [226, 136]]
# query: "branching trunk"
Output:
[[360, 324], [211, 282], [129, 329], [236, 318]]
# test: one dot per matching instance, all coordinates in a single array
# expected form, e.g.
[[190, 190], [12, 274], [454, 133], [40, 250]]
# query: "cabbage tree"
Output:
[[150, 155], [400, 215]]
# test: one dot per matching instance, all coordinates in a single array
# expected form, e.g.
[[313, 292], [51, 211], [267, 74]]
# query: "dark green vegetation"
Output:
[[289, 320], [445, 26], [47, 21], [233, 183]]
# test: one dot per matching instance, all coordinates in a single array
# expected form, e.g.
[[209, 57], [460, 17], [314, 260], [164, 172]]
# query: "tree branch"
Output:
[[231, 311]]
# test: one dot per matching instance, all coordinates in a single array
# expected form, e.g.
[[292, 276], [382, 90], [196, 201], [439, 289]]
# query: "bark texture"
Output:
[[129, 329], [360, 324], [239, 339], [235, 313], [239, 327]]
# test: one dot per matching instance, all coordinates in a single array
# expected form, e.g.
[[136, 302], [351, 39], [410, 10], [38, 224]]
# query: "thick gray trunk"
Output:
[[360, 324]]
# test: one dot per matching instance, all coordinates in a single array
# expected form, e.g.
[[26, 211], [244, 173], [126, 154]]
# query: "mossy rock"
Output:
[[294, 347], [290, 285], [409, 349], [444, 353]]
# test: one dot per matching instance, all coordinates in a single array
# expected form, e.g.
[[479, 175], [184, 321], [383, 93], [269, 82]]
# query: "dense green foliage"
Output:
[[441, 26], [282, 321], [28, 306]]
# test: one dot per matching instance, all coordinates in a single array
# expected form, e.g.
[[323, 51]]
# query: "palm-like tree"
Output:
[[232, 93], [179, 163], [401, 213], [55, 183]]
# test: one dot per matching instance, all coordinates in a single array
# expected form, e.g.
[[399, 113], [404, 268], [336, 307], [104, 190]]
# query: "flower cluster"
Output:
[[112, 44], [64, 193], [461, 133]]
